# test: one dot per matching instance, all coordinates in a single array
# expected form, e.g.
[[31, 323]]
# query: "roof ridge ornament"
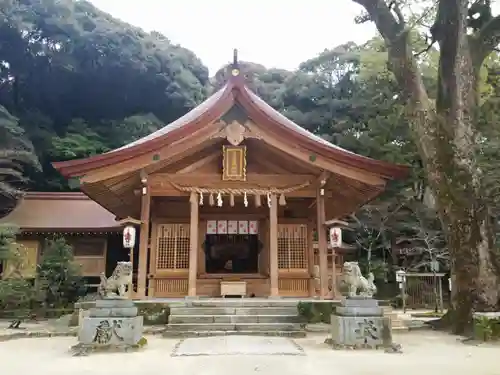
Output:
[[235, 66]]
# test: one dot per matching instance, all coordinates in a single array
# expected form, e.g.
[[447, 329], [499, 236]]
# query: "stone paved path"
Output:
[[425, 353], [237, 345]]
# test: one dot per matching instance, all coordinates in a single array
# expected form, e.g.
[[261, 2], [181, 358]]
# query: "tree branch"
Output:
[[401, 60], [489, 37], [380, 13]]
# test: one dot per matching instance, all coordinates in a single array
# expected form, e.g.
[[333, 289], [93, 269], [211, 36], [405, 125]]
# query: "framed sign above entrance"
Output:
[[234, 163]]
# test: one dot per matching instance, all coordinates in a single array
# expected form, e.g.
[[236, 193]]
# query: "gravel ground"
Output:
[[428, 353]]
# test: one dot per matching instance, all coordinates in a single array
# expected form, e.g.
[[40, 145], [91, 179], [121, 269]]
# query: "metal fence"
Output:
[[425, 291]]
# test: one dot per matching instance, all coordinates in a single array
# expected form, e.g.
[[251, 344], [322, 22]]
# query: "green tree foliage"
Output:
[[82, 82], [58, 277], [445, 126], [16, 153], [7, 242], [76, 82], [16, 293]]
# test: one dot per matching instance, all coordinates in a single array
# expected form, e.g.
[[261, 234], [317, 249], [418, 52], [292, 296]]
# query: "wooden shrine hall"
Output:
[[229, 197]]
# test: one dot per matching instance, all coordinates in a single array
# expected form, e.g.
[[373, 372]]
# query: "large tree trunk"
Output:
[[445, 135]]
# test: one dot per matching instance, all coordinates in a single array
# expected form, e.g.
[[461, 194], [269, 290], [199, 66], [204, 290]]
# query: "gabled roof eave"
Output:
[[255, 105], [211, 109]]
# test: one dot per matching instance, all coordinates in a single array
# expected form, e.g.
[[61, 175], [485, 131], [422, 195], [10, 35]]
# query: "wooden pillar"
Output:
[[193, 244], [153, 248], [144, 244], [322, 243], [310, 258], [335, 292], [273, 246]]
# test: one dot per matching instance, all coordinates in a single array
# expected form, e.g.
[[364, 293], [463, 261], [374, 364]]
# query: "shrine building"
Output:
[[231, 192]]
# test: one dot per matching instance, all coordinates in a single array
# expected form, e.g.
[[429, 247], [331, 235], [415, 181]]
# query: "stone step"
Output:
[[262, 327], [188, 334], [232, 319], [397, 323], [175, 310], [240, 302]]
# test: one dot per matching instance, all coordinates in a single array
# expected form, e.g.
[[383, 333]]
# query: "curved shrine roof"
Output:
[[234, 92]]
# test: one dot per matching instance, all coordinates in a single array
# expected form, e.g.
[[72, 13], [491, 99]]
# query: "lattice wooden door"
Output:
[[171, 263], [292, 246], [172, 247], [293, 279]]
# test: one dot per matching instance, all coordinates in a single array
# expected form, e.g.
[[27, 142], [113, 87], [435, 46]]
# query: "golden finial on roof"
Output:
[[235, 69]]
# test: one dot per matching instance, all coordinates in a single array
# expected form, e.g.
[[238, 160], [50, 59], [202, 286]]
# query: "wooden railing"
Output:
[[293, 286], [162, 287]]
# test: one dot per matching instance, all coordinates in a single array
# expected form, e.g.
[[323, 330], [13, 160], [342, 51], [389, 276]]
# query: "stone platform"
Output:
[[360, 323], [236, 345], [113, 324]]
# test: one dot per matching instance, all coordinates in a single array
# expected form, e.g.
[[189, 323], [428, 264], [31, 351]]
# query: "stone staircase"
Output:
[[234, 317], [397, 323]]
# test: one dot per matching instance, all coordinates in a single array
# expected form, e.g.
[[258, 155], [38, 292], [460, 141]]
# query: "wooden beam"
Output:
[[193, 244], [183, 159], [322, 244], [182, 146], [129, 220], [332, 222], [200, 163], [254, 180], [143, 245], [273, 246], [165, 192], [170, 191], [281, 159], [262, 162], [323, 178], [110, 201], [321, 162]]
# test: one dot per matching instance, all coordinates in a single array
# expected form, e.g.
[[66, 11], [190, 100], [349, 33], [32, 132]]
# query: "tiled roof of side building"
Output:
[[71, 212]]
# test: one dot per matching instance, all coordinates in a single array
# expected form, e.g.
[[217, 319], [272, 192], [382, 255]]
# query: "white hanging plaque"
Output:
[[243, 227], [335, 237], [211, 227], [129, 237], [253, 227], [232, 227], [222, 227]]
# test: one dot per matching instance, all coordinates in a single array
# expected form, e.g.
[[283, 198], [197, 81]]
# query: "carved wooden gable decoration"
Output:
[[235, 132], [234, 163]]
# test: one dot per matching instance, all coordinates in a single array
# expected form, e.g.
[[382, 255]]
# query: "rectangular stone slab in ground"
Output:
[[236, 345]]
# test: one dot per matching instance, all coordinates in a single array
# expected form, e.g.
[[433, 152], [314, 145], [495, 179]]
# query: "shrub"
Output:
[[315, 312], [58, 278], [16, 293], [16, 298], [487, 328], [7, 242]]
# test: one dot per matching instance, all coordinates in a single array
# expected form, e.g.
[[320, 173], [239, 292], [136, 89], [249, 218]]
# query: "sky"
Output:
[[274, 33]]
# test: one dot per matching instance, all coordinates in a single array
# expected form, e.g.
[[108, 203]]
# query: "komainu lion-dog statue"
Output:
[[116, 285], [356, 282]]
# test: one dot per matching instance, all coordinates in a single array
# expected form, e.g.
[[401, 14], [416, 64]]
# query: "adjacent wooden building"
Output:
[[231, 192], [91, 230]]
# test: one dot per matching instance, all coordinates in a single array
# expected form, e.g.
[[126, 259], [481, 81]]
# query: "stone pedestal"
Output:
[[113, 324], [359, 323]]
